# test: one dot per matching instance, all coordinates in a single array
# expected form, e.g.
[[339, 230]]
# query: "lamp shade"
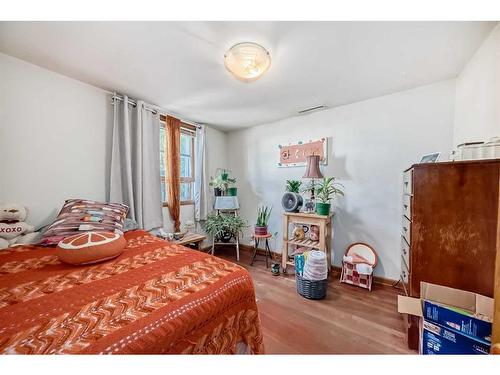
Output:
[[313, 170]]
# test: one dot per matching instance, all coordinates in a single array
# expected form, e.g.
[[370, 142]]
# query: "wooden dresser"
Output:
[[449, 228]]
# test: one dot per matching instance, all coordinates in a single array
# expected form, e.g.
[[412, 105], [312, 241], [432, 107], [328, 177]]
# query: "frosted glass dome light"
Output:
[[247, 61]]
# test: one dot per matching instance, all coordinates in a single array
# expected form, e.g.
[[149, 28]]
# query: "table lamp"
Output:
[[312, 171]]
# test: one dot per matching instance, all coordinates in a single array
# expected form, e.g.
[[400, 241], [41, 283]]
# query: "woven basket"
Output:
[[311, 289]]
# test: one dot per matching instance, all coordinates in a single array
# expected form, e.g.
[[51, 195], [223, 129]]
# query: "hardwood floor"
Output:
[[350, 320]]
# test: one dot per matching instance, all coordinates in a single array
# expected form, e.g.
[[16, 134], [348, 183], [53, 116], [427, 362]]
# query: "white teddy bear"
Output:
[[13, 229]]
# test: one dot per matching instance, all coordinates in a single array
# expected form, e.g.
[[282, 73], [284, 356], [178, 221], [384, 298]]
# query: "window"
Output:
[[186, 160], [187, 167]]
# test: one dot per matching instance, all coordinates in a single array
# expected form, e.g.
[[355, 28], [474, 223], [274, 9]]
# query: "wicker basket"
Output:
[[311, 289]]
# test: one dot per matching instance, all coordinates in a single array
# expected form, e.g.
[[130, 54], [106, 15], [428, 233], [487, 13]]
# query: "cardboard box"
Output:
[[437, 339], [454, 321]]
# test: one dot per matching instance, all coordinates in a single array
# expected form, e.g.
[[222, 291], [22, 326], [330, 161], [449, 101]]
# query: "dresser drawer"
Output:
[[404, 269], [405, 276], [407, 179], [405, 252], [407, 205], [406, 229]]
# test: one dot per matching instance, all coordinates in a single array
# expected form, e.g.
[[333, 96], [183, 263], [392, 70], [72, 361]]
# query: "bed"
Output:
[[154, 298]]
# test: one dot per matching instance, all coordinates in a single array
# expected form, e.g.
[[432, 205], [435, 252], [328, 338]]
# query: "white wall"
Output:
[[53, 136], [371, 143], [477, 105], [55, 141]]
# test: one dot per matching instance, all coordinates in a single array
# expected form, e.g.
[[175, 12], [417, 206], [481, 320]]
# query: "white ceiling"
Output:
[[179, 65]]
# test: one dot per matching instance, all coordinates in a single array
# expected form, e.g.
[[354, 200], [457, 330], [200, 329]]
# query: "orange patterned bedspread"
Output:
[[154, 298]]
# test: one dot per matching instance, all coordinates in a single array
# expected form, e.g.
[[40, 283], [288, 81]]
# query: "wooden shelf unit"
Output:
[[305, 243], [324, 222]]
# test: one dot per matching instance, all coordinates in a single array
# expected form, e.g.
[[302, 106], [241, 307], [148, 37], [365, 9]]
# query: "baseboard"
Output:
[[376, 279], [334, 269]]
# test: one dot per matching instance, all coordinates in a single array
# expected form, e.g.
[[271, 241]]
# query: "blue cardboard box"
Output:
[[437, 339], [453, 321], [459, 321]]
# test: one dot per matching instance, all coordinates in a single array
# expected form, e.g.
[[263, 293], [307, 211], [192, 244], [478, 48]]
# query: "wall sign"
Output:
[[294, 154]]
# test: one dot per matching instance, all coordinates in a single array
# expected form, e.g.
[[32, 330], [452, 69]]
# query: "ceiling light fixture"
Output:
[[247, 61]]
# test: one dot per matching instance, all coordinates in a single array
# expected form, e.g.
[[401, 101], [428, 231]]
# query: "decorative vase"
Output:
[[224, 176], [217, 192], [309, 206], [260, 230], [323, 208], [232, 191]]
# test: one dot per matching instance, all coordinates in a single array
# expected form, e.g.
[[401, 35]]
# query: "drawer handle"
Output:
[[404, 251], [405, 206], [406, 183], [404, 273], [405, 229]]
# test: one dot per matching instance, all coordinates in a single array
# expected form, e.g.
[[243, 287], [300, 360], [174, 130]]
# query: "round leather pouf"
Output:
[[90, 247]]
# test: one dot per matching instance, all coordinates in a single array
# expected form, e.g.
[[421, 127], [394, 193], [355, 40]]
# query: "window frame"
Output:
[[189, 180], [189, 130]]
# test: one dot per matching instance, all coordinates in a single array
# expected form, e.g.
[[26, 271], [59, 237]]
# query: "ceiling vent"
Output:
[[312, 109]]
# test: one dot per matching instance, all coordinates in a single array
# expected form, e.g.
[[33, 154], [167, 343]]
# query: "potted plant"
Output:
[[218, 185], [275, 261], [325, 191], [224, 174], [222, 184], [263, 214], [232, 190], [224, 227], [293, 186]]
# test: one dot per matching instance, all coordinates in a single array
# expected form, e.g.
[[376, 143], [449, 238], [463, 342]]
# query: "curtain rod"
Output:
[[151, 108]]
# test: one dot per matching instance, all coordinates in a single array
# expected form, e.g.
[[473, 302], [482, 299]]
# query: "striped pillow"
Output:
[[80, 215]]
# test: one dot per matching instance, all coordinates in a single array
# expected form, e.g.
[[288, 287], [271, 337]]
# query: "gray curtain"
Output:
[[200, 175], [135, 163]]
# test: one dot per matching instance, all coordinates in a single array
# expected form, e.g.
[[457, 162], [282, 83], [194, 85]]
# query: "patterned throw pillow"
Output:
[[81, 215], [91, 247]]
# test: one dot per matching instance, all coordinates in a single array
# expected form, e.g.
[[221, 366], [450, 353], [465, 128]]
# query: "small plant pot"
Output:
[[323, 208], [232, 191], [224, 176], [275, 269], [225, 238], [217, 192], [260, 230]]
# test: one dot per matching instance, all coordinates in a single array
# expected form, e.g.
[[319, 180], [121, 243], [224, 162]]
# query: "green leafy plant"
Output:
[[293, 186], [263, 214], [219, 183], [222, 225], [327, 188]]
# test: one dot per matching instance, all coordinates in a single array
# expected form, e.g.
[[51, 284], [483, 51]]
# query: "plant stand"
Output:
[[324, 223], [236, 243], [257, 238]]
